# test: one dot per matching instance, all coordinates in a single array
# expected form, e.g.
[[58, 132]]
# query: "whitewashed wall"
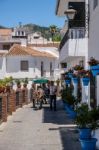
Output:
[[75, 49], [2, 67], [94, 32], [93, 50], [13, 66]]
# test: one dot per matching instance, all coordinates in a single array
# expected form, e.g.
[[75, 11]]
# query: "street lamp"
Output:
[[70, 13]]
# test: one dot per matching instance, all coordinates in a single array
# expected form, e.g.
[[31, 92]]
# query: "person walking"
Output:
[[40, 96], [32, 94], [53, 91]]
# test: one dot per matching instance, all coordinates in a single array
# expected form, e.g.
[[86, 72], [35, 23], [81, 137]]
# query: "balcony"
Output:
[[74, 33], [73, 44]]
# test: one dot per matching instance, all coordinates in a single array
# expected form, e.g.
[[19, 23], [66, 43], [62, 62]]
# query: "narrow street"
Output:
[[29, 129]]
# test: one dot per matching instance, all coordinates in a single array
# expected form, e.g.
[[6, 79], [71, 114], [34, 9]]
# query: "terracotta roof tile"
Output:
[[20, 50], [5, 32], [46, 45]]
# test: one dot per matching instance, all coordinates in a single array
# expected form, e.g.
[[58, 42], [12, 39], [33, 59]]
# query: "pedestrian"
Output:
[[53, 92], [40, 96], [46, 93], [32, 94]]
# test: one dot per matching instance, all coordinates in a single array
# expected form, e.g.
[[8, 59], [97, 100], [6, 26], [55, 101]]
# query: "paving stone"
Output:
[[29, 129]]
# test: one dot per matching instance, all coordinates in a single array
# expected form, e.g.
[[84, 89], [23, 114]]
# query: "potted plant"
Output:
[[75, 78], [67, 80], [87, 120], [78, 67], [94, 66], [70, 73], [85, 75]]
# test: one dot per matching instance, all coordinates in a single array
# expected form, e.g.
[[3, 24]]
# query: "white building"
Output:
[[74, 45], [93, 50], [25, 62], [36, 38], [40, 58], [6, 40]]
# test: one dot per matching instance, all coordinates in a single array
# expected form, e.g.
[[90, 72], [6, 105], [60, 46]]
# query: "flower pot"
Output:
[[70, 75], [75, 80], [72, 114], [85, 81], [95, 70], [84, 133], [67, 81], [88, 144]]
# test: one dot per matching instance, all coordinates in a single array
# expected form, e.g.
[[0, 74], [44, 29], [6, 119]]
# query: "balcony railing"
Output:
[[64, 40], [74, 33]]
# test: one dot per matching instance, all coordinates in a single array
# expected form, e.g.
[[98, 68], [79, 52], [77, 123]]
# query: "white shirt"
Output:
[[53, 90]]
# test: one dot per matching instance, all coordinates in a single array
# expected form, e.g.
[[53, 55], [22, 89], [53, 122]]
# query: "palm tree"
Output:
[[53, 30]]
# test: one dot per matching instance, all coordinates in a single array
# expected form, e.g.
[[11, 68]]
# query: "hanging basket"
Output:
[[85, 81], [95, 70], [75, 80], [67, 81], [70, 75]]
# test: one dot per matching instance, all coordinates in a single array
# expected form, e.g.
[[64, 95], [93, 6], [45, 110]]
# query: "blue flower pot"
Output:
[[88, 144], [67, 81], [70, 75], [75, 80], [84, 133], [95, 70], [85, 81], [72, 114]]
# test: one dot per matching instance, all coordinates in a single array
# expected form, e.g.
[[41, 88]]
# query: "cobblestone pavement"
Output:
[[29, 129]]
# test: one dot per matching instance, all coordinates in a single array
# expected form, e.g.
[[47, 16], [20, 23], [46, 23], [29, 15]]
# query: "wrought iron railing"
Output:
[[73, 33]]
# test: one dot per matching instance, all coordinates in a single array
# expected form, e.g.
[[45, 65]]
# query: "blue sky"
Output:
[[41, 12]]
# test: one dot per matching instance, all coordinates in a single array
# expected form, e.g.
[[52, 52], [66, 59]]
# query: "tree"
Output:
[[53, 30]]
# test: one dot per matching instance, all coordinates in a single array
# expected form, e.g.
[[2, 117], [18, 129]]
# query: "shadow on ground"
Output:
[[68, 133], [56, 117], [69, 138]]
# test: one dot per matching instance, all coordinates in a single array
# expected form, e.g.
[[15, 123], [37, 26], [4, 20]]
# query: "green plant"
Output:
[[83, 118], [69, 98], [26, 80], [84, 73], [93, 62], [78, 67], [87, 118]]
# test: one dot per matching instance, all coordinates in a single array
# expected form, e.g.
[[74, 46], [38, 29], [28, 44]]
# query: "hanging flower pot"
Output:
[[95, 70], [67, 81], [88, 144], [70, 75], [85, 81], [75, 80]]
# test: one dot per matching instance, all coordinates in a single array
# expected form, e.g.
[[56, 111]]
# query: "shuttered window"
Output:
[[24, 66]]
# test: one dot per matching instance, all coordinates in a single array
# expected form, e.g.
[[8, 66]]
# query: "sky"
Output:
[[40, 12]]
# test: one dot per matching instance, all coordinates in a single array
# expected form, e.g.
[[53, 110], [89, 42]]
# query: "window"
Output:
[[22, 33], [81, 63], [63, 65], [24, 65], [6, 47], [42, 68], [95, 3], [18, 33]]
